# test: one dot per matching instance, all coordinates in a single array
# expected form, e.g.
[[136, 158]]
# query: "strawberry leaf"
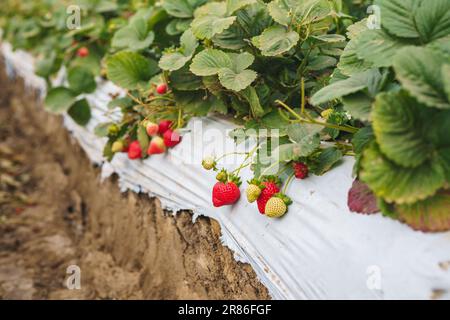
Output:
[[399, 184], [361, 199], [399, 123], [80, 112], [59, 99], [275, 40], [419, 71], [172, 61], [430, 215], [130, 70]]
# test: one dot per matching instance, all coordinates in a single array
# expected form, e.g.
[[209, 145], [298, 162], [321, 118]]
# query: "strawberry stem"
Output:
[[288, 182], [349, 129]]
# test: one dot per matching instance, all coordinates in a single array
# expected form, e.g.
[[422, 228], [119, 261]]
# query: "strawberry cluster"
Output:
[[266, 193], [161, 135]]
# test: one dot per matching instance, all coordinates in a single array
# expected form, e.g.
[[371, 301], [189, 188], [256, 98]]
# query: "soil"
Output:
[[55, 212]]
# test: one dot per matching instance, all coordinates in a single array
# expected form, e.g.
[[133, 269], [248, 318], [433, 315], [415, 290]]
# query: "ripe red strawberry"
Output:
[[171, 138], [225, 194], [164, 125], [156, 146], [134, 150], [300, 170], [270, 189], [83, 52], [152, 129], [161, 88]]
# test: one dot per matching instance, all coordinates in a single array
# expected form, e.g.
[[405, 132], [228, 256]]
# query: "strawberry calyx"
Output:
[[272, 179], [256, 182], [222, 176], [287, 200], [235, 179]]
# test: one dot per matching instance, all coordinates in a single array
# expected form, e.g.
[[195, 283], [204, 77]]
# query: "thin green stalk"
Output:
[[349, 129], [288, 182]]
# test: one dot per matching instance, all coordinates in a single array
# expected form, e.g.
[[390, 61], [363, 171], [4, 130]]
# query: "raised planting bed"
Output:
[[319, 250]]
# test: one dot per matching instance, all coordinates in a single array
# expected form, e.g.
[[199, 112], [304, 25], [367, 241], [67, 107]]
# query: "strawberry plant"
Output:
[[41, 28], [395, 81]]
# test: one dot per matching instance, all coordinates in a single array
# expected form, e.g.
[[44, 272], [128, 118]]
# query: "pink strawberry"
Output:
[[134, 150], [225, 194], [156, 146], [300, 170], [171, 138], [152, 129], [270, 189], [83, 52], [161, 88], [164, 125]]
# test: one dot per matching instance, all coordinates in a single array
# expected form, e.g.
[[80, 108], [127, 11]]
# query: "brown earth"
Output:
[[54, 212]]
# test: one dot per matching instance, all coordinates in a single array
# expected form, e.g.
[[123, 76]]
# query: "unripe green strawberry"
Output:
[[113, 129], [208, 163], [275, 207], [117, 146], [222, 176], [253, 192]]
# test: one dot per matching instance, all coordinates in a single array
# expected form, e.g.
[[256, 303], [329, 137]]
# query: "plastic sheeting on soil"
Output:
[[319, 250]]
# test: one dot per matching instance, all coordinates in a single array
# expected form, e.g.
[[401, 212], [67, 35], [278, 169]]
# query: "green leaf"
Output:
[[355, 29], [123, 102], [47, 66], [275, 40], [232, 38], [359, 105], [178, 8], [430, 215], [134, 37], [306, 137], [236, 81], [419, 69], [362, 139], [185, 80], [172, 61], [59, 99], [446, 79], [211, 19], [197, 103], [284, 152], [350, 63], [101, 130], [330, 38], [378, 48], [286, 11], [398, 123], [397, 16], [398, 184], [209, 62], [321, 62], [80, 112], [327, 159], [130, 70], [252, 98], [143, 138], [81, 80], [342, 88], [235, 5], [432, 19]]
